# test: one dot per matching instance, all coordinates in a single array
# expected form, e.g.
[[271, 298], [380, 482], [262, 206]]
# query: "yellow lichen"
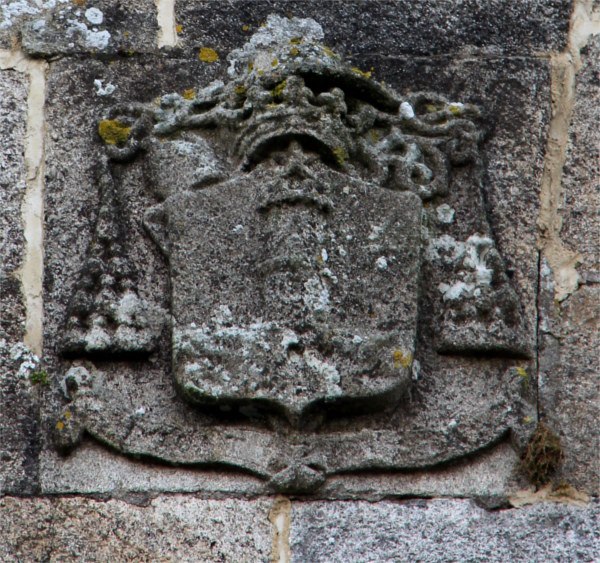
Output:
[[189, 94], [79, 3], [374, 135], [263, 24], [525, 377], [274, 62], [328, 51], [401, 359], [360, 72], [455, 110], [250, 66], [60, 425], [208, 55], [113, 132], [240, 90], [245, 27], [340, 155], [278, 90], [67, 415], [178, 28], [294, 51], [295, 41]]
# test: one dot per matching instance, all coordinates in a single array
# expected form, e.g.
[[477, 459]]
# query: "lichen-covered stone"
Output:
[[443, 530], [330, 265], [394, 27], [19, 439], [569, 330], [61, 27], [164, 528]]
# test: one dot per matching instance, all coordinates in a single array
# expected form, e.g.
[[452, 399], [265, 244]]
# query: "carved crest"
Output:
[[327, 245]]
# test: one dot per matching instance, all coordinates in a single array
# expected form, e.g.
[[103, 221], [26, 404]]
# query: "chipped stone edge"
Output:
[[32, 208], [165, 17], [548, 494], [584, 23]]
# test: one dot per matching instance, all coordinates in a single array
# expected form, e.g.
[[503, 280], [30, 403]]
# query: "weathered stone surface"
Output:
[[18, 423], [390, 27], [491, 477], [296, 131], [165, 529], [117, 476], [293, 223], [442, 530], [109, 27], [581, 218], [569, 330]]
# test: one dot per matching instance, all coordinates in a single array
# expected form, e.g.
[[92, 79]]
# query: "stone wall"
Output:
[[484, 443]]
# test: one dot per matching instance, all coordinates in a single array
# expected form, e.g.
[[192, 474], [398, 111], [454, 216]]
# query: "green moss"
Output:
[[113, 132], [543, 456], [39, 377]]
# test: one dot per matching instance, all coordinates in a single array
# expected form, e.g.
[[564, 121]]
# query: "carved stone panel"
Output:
[[336, 298]]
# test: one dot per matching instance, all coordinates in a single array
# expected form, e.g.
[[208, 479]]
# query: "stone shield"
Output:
[[283, 299]]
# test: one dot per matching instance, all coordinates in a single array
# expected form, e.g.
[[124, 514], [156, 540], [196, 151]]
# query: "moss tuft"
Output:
[[543, 456], [39, 377]]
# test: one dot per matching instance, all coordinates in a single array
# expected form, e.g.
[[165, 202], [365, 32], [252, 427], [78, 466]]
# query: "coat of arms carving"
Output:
[[337, 300]]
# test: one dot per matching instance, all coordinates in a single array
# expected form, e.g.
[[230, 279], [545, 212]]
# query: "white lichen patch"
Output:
[[326, 372], [381, 263], [93, 39], [445, 213], [406, 110], [273, 43], [316, 295], [21, 354], [94, 16], [375, 233], [11, 11], [102, 90], [76, 378], [472, 271]]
